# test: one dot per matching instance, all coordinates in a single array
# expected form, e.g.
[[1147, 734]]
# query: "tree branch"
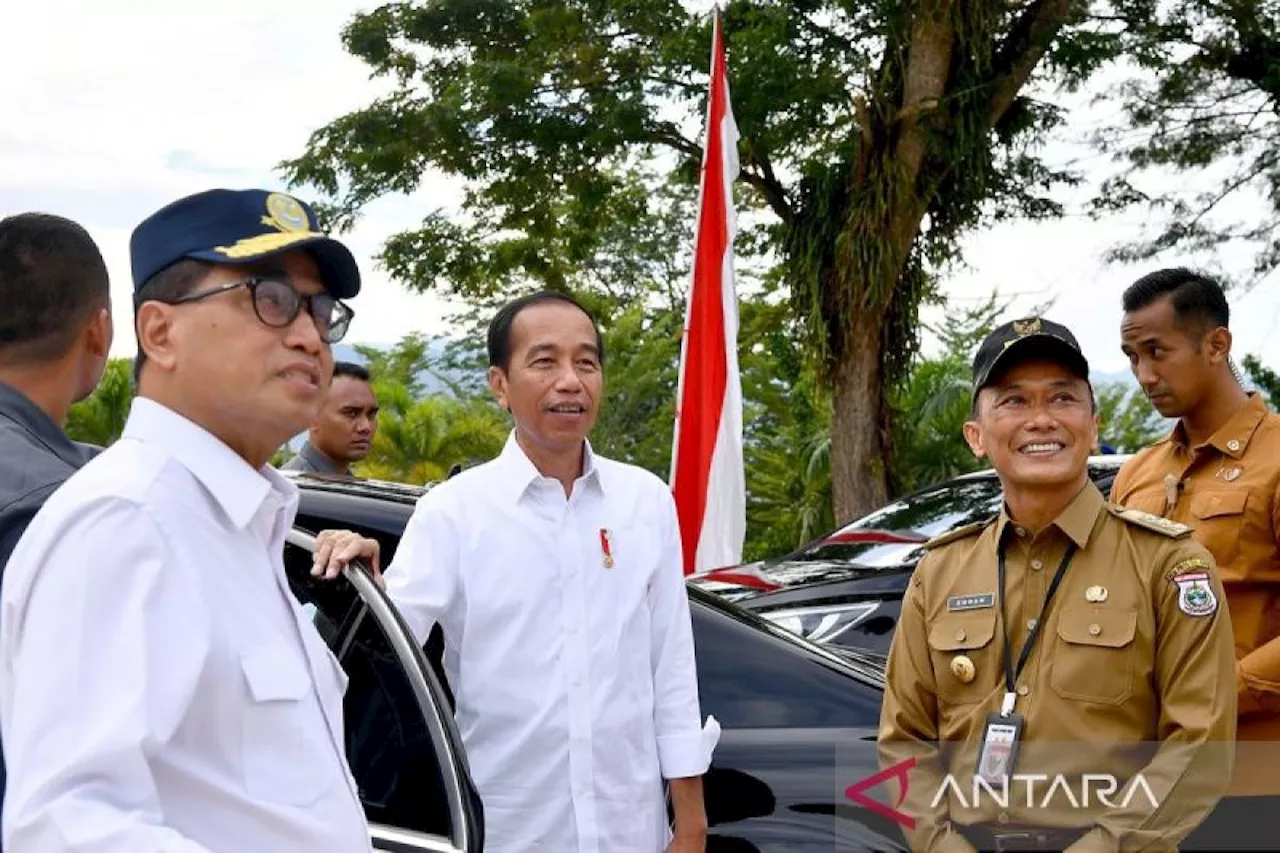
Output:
[[1027, 42], [768, 184]]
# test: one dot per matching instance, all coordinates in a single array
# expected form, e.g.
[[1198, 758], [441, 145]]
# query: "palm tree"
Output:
[[419, 441]]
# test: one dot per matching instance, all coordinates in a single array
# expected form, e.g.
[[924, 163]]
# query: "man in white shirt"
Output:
[[556, 577], [160, 688]]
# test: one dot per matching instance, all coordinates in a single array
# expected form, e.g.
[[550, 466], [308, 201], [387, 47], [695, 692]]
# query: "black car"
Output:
[[844, 590], [798, 722]]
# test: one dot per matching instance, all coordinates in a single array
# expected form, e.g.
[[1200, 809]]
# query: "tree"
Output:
[[1127, 422], [418, 441], [99, 418], [1264, 379], [1204, 99], [873, 136], [935, 399]]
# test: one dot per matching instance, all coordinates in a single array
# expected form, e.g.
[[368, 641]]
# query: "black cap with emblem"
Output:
[[1022, 340]]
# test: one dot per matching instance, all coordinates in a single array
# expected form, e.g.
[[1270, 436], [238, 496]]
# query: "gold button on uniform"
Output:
[[960, 634], [962, 668], [1021, 531], [1095, 629], [1037, 565], [1031, 624], [1233, 445], [1023, 690]]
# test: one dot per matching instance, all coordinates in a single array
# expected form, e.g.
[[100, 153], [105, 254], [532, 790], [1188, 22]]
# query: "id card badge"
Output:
[[1000, 740]]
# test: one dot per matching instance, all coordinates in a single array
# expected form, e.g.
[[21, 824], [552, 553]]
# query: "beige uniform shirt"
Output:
[[1228, 491], [1130, 675]]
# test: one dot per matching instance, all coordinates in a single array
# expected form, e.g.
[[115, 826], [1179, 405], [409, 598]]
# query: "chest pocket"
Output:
[[952, 641], [283, 745], [1219, 521], [1094, 658]]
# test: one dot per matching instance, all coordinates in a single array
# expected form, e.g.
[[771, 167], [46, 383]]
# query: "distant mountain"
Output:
[[430, 383]]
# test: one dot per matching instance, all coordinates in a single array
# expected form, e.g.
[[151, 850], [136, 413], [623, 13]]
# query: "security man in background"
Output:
[[55, 332], [1065, 638], [1218, 471], [343, 431]]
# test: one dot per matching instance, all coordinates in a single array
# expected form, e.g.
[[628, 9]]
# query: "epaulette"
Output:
[[1164, 526], [959, 533]]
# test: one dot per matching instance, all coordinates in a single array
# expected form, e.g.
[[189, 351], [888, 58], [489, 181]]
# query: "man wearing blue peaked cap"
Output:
[[174, 696]]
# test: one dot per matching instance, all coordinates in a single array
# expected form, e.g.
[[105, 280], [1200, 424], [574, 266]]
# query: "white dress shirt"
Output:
[[575, 681], [161, 688]]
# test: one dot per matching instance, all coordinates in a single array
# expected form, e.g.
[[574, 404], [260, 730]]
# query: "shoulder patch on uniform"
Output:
[[959, 533], [1160, 525], [1195, 593]]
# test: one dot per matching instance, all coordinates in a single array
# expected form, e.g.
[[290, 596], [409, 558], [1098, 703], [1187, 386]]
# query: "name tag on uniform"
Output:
[[971, 602], [999, 750]]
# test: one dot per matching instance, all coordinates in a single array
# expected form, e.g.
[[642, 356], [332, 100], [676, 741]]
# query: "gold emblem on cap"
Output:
[[1096, 594], [962, 668], [1022, 328], [285, 213]]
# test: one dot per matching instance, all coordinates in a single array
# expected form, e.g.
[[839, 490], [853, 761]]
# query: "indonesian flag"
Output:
[[707, 475]]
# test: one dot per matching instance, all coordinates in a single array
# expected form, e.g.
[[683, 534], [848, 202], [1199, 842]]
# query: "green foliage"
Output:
[[420, 437], [419, 440], [1266, 380], [1126, 420], [99, 418], [874, 135], [934, 401], [1204, 99]]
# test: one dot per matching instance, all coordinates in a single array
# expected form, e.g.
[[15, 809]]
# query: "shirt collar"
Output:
[[1233, 437], [1075, 521], [320, 463], [18, 408], [236, 487], [519, 471]]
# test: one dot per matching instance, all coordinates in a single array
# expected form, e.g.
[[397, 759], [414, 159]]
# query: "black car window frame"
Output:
[[431, 699]]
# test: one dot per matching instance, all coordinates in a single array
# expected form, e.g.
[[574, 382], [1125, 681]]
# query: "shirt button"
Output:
[[1233, 445], [960, 634], [1037, 565], [1095, 629], [1021, 531], [1023, 690], [1031, 624]]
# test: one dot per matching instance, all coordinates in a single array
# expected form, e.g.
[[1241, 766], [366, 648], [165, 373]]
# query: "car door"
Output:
[[404, 751]]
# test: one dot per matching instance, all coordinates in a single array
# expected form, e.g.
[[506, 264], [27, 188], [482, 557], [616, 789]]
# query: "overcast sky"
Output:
[[109, 110]]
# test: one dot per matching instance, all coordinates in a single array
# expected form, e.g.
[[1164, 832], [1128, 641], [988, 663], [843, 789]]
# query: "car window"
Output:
[[390, 745]]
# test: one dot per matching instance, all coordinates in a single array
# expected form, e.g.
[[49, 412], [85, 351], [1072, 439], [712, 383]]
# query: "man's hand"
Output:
[[336, 548]]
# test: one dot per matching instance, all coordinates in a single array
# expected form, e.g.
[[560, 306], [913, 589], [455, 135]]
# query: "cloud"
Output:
[[120, 112]]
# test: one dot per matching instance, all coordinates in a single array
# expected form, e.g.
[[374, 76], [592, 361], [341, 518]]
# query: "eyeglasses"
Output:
[[278, 303]]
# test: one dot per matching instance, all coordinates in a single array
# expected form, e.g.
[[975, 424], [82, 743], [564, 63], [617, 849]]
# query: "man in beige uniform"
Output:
[[1073, 653], [1218, 471]]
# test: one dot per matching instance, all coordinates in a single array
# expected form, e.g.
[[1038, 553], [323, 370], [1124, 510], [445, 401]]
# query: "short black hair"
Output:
[[172, 282], [351, 369], [1199, 304], [52, 280], [500, 325]]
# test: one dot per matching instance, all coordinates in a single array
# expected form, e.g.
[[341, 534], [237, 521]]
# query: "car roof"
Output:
[[403, 493]]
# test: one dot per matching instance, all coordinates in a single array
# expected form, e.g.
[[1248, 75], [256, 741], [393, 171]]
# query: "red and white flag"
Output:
[[707, 476]]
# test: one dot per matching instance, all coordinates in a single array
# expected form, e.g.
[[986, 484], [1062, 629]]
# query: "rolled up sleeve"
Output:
[[683, 749]]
